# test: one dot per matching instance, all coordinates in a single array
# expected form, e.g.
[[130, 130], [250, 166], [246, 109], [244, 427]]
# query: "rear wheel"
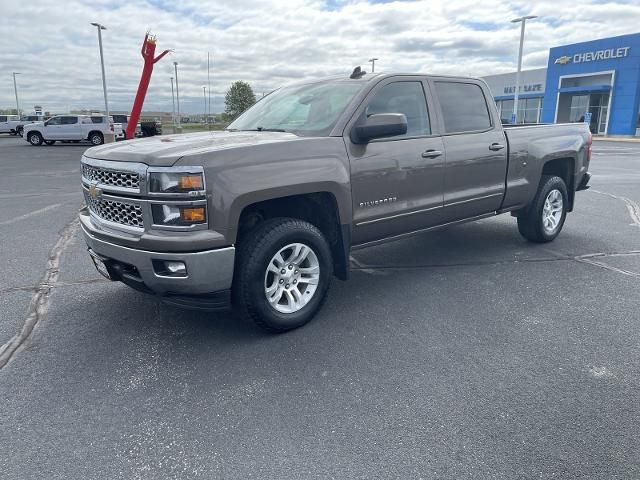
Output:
[[283, 273], [543, 220], [20, 130], [35, 138], [49, 142], [96, 138]]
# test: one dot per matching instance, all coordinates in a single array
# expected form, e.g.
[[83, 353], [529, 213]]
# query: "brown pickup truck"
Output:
[[263, 215]]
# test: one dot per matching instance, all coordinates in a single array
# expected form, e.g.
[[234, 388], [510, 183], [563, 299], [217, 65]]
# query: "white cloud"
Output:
[[269, 43]]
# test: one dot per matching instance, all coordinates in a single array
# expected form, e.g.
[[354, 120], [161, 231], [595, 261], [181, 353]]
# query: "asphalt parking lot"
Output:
[[461, 353]]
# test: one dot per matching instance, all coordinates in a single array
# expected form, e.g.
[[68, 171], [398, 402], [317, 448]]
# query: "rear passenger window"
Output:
[[3, 119], [464, 108], [407, 98], [69, 120]]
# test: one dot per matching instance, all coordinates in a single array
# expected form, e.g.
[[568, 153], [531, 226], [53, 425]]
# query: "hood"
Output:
[[165, 150]]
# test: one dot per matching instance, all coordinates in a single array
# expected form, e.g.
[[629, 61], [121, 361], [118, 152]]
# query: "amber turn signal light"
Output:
[[193, 214], [190, 182]]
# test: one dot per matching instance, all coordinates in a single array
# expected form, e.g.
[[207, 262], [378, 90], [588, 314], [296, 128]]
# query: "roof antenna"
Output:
[[357, 73]]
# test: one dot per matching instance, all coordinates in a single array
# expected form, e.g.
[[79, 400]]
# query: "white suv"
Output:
[[8, 124], [68, 128]]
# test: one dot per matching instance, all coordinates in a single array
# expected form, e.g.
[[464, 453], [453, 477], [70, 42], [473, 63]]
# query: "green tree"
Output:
[[238, 98]]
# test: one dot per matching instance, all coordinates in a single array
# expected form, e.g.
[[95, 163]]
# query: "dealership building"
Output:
[[596, 81]]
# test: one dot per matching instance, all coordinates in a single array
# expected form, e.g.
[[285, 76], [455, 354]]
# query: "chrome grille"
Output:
[[116, 212], [114, 178]]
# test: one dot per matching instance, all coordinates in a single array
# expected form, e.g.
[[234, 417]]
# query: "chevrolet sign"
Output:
[[607, 54]]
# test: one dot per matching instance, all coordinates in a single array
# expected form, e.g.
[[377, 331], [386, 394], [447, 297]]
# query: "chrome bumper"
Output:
[[207, 271]]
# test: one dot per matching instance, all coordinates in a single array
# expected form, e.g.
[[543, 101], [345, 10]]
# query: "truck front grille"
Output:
[[114, 178], [128, 214]]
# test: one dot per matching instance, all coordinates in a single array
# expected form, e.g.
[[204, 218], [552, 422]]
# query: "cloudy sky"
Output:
[[273, 42]]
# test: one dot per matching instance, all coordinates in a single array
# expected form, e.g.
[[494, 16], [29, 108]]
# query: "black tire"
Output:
[[14, 132], [35, 138], [20, 131], [96, 138], [531, 223], [254, 255], [49, 142]]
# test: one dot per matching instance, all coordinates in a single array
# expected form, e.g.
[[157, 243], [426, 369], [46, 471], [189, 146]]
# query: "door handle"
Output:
[[431, 154], [496, 146]]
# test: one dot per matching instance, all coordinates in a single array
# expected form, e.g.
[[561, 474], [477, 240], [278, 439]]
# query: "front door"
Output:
[[476, 166], [52, 128], [396, 182]]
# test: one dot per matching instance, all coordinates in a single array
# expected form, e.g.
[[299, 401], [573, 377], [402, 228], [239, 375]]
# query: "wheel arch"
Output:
[[563, 167], [320, 208]]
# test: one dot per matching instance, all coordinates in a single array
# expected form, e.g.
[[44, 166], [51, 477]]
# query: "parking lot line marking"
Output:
[[30, 214], [40, 300], [632, 207]]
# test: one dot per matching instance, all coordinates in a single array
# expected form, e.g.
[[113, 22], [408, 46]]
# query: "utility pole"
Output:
[[522, 20], [104, 80], [373, 64], [175, 66], [173, 105], [15, 90], [209, 88], [204, 96]]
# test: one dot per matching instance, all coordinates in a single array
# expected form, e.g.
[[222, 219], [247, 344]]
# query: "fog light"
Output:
[[176, 268], [170, 268]]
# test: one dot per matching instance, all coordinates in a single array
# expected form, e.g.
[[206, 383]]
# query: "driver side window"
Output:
[[407, 98]]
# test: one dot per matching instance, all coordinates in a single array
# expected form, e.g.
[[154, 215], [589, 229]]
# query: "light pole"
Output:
[[523, 21], [175, 66], [173, 105], [15, 90], [204, 95], [104, 80], [373, 64]]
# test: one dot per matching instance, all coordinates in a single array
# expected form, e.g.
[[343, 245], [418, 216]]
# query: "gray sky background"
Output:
[[271, 43]]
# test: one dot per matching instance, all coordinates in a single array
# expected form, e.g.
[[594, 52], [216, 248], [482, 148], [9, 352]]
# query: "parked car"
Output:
[[151, 128], [118, 131], [68, 128], [9, 124], [124, 121], [265, 213], [27, 119]]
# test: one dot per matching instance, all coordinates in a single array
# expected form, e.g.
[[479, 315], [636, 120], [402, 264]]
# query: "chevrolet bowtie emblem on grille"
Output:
[[563, 60], [94, 191]]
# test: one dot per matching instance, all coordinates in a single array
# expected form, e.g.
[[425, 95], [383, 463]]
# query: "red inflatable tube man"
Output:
[[148, 51]]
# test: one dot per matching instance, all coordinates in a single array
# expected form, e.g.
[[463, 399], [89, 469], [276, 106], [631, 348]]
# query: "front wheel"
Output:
[[283, 272], [544, 218], [35, 138]]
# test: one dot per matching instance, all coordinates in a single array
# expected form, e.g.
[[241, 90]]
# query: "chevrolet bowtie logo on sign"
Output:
[[563, 60], [94, 191]]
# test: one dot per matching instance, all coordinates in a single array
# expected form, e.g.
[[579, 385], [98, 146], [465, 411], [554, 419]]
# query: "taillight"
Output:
[[589, 146]]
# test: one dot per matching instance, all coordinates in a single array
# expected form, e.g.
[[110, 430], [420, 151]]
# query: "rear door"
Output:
[[396, 182], [70, 129], [476, 163], [4, 124]]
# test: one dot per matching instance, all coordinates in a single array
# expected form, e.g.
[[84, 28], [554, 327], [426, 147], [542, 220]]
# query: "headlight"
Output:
[[178, 215], [175, 182]]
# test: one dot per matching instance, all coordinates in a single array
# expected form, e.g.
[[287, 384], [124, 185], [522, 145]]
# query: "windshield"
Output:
[[306, 110]]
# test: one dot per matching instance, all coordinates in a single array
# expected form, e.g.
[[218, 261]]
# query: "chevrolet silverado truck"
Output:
[[263, 215]]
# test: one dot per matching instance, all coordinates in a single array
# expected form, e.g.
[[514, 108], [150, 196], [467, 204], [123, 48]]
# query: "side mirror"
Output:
[[379, 125]]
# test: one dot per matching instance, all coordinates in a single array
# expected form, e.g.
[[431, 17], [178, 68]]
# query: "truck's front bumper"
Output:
[[205, 285]]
